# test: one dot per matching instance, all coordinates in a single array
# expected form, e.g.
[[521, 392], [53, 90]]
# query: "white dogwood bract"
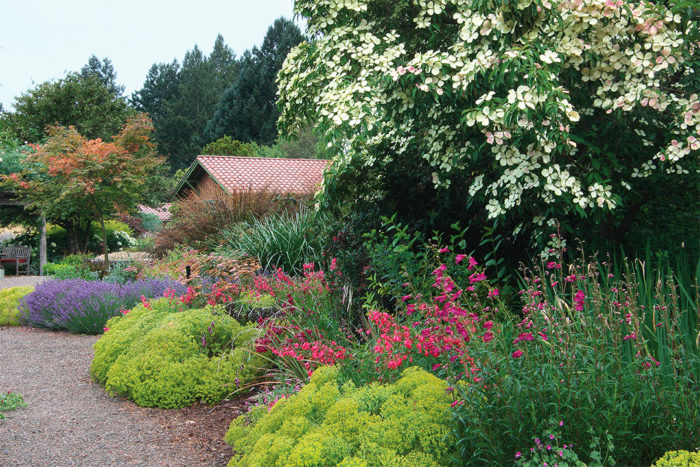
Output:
[[519, 94]]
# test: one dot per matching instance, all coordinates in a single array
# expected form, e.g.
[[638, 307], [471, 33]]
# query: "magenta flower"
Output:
[[518, 454], [444, 250], [517, 353], [459, 258]]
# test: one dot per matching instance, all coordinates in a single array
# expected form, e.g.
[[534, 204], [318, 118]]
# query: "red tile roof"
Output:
[[163, 212], [300, 176]]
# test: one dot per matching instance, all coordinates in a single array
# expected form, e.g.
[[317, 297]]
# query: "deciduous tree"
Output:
[[528, 110], [73, 179]]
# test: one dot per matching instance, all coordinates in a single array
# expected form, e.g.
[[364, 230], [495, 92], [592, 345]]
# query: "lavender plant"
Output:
[[83, 306]]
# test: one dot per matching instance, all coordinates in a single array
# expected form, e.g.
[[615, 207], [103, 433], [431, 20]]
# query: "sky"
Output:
[[42, 40]]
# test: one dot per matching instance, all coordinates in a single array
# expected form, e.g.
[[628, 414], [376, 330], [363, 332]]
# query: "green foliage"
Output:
[[330, 423], [150, 222], [104, 71], [71, 267], [304, 145], [164, 356], [10, 401], [277, 240], [247, 109], [397, 255], [251, 306], [678, 459], [9, 299], [79, 100], [227, 146], [119, 237], [612, 355]]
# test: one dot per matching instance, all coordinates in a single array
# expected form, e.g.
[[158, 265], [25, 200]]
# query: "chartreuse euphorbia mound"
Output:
[[159, 356], [330, 423]]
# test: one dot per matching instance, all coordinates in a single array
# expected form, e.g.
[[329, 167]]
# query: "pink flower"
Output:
[[477, 277], [459, 258], [518, 454], [561, 423], [488, 325], [333, 265], [487, 337], [472, 263], [444, 250], [493, 293], [405, 298], [105, 329], [517, 353]]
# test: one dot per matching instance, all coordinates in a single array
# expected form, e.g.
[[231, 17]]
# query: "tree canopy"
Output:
[[508, 111], [73, 180], [90, 101]]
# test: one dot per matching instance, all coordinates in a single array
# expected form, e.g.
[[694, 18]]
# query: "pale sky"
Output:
[[41, 40]]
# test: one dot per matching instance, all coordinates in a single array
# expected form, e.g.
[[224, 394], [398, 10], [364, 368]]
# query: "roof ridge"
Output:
[[265, 158]]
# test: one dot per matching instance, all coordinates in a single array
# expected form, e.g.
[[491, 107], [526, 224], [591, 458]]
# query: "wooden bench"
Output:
[[18, 255]]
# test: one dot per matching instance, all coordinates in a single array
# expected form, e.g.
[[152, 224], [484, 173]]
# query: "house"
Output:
[[236, 173]]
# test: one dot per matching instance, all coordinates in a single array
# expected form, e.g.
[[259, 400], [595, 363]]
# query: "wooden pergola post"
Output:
[[42, 246]]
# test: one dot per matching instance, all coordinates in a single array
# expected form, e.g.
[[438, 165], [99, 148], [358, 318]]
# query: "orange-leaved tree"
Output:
[[71, 177]]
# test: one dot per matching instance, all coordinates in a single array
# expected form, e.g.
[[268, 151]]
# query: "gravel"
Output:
[[16, 281], [69, 420]]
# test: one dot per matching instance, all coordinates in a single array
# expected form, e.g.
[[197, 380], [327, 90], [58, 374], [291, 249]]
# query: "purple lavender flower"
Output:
[[83, 306]]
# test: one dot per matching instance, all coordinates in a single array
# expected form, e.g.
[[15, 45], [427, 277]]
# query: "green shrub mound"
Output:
[[679, 459], [164, 357], [329, 423], [9, 299]]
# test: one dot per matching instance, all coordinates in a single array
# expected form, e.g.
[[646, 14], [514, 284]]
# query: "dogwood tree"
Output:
[[540, 108]]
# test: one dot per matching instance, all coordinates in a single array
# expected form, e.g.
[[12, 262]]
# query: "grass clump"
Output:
[[278, 240], [331, 423], [10, 401], [9, 299], [159, 355]]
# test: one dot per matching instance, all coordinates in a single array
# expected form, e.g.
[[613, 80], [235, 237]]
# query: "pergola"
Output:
[[8, 198]]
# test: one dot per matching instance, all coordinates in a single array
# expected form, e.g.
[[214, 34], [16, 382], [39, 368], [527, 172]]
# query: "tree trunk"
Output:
[[104, 243]]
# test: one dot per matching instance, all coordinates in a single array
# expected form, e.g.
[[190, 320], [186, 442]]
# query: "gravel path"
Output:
[[16, 281], [71, 421]]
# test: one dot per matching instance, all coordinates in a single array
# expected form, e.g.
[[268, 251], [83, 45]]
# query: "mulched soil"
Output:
[[69, 420]]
